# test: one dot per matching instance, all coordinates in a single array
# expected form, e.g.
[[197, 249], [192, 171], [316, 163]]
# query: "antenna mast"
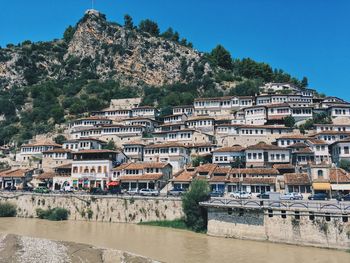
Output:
[[92, 4]]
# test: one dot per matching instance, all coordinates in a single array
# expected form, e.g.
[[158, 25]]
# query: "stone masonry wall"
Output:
[[97, 208], [257, 225]]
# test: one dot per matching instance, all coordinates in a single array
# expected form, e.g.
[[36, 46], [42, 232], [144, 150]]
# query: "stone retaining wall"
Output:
[[99, 208], [259, 225]]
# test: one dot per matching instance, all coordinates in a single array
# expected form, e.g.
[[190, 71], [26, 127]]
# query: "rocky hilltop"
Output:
[[102, 50], [45, 84]]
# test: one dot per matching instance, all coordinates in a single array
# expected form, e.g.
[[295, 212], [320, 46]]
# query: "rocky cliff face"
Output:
[[102, 50]]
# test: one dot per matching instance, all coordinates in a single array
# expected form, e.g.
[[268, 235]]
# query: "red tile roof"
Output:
[[255, 171], [184, 176], [58, 150], [18, 173], [146, 177], [339, 175], [297, 179], [264, 146], [235, 148], [165, 145]]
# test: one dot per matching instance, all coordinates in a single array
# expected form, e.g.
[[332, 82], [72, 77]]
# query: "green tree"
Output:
[[128, 23], [237, 163], [200, 160], [60, 139], [168, 34], [246, 88], [289, 121], [110, 146], [68, 34], [176, 37], [345, 164], [149, 26], [304, 82], [221, 57], [195, 215]]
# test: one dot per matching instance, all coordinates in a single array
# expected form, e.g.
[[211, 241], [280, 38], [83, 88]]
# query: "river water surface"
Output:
[[169, 245]]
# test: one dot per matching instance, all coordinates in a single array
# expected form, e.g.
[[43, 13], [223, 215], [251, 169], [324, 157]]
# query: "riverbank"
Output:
[[22, 249], [166, 244]]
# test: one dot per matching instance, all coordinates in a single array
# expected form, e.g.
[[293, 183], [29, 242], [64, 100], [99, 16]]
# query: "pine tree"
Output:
[[128, 23]]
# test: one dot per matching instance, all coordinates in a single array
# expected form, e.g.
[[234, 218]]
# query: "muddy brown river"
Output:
[[169, 245]]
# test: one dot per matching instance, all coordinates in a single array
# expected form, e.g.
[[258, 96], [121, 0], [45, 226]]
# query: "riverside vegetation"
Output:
[[195, 218], [7, 209], [53, 214], [45, 84]]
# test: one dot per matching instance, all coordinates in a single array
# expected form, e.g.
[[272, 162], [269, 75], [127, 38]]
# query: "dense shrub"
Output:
[[7, 210], [196, 216], [54, 214]]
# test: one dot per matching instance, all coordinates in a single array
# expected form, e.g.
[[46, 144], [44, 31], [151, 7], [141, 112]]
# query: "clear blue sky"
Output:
[[303, 37]]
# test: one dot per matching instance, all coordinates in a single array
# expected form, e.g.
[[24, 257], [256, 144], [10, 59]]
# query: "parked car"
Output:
[[42, 190], [133, 191], [176, 192], [269, 195], [114, 191], [318, 196], [292, 196], [67, 189], [344, 198], [97, 191], [216, 194], [149, 192], [27, 188], [241, 195]]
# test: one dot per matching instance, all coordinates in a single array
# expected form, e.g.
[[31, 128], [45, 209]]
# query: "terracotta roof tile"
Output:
[[339, 175], [146, 177], [259, 180], [206, 168], [42, 144], [219, 179], [19, 173], [58, 150], [283, 166], [165, 145], [234, 148], [317, 142], [297, 179], [255, 171], [184, 176], [95, 151], [140, 166], [45, 176], [264, 146]]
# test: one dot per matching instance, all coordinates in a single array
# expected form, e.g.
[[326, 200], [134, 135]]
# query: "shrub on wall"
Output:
[[7, 210], [55, 214]]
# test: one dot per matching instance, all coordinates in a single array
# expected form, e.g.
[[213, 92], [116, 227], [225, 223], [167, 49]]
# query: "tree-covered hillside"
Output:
[[47, 83]]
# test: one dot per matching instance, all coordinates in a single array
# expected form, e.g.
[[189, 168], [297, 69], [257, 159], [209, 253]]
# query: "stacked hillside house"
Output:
[[233, 142]]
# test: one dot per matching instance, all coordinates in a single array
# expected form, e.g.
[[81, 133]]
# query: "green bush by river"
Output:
[[54, 214], [178, 224], [7, 209]]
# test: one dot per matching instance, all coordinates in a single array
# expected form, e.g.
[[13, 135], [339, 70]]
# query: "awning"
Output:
[[321, 186], [340, 187], [113, 183]]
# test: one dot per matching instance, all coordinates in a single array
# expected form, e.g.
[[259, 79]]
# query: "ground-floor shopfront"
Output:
[[128, 185], [87, 183]]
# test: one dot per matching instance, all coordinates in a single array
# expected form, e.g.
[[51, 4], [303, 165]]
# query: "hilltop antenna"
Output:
[[92, 4]]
